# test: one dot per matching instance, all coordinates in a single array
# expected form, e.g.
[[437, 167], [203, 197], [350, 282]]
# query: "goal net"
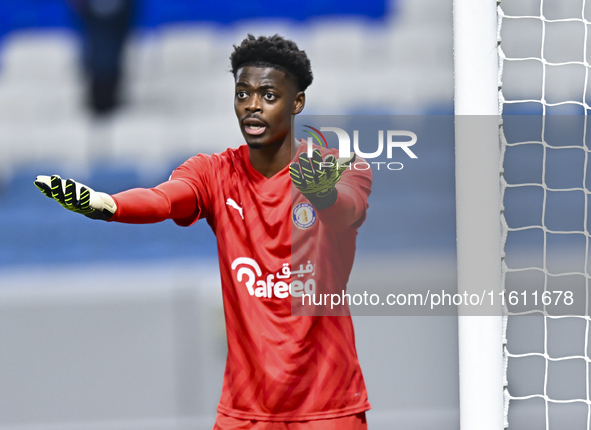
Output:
[[545, 134]]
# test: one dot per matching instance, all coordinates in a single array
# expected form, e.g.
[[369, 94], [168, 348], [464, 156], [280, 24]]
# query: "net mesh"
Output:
[[544, 133]]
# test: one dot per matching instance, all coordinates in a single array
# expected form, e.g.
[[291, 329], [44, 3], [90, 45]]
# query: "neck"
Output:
[[271, 159]]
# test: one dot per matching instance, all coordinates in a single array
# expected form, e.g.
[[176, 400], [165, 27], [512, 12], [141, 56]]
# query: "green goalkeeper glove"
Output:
[[77, 197], [316, 179]]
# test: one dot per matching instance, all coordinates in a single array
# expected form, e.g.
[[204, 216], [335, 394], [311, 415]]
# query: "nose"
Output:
[[253, 104]]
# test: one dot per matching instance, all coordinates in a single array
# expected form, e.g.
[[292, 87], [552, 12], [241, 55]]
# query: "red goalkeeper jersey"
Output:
[[280, 367]]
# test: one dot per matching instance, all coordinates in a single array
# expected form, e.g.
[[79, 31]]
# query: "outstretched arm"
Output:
[[172, 199]]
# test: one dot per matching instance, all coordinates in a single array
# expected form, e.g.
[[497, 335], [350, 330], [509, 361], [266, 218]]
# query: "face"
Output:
[[264, 101]]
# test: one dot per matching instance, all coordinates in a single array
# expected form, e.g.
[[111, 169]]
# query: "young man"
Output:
[[283, 371]]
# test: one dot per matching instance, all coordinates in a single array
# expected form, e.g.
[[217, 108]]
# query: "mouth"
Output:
[[254, 126], [255, 129]]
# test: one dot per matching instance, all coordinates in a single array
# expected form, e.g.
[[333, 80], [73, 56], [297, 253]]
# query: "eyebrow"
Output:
[[264, 87]]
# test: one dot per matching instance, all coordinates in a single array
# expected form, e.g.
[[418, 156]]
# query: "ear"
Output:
[[299, 102]]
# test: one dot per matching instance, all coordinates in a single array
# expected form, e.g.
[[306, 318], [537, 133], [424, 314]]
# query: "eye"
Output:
[[270, 96], [241, 95]]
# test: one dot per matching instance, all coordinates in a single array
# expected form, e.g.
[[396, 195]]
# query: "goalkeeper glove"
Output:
[[77, 197], [316, 179]]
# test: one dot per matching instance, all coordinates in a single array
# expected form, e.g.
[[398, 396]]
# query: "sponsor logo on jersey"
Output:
[[277, 284], [304, 215]]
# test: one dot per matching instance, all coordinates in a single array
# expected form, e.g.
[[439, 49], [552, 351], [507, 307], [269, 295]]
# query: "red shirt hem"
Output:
[[288, 417]]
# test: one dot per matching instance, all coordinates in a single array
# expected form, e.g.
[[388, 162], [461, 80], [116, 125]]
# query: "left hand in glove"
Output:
[[316, 179]]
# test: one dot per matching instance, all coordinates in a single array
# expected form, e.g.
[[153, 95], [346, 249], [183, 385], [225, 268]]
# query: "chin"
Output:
[[261, 141], [256, 142], [255, 145]]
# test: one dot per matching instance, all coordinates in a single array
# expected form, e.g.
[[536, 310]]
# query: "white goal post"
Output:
[[523, 187], [478, 210]]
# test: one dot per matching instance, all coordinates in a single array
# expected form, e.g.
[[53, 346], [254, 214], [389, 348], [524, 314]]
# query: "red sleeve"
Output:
[[184, 198], [172, 199], [350, 208]]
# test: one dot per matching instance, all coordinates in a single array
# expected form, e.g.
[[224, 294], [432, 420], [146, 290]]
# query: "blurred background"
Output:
[[121, 327]]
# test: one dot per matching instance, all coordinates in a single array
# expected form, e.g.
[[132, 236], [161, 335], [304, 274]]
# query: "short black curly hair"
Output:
[[276, 52]]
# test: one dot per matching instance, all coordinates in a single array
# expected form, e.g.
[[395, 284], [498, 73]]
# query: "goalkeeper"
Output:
[[271, 207]]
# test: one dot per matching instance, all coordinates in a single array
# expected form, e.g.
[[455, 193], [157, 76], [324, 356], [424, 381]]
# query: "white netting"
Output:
[[545, 186]]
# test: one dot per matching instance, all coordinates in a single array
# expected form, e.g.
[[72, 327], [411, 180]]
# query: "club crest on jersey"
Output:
[[304, 215]]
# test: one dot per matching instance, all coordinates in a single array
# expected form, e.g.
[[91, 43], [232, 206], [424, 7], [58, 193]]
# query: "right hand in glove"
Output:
[[77, 197]]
